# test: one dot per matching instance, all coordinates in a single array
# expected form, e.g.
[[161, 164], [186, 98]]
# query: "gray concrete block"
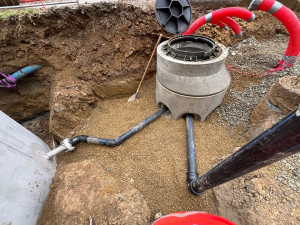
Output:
[[25, 173], [180, 105]]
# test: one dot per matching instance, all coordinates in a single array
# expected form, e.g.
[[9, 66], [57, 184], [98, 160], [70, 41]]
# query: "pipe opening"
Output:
[[192, 48]]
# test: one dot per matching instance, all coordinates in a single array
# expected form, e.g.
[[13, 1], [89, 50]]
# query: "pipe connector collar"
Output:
[[287, 61], [252, 18], [239, 35], [67, 143], [275, 7], [191, 187], [254, 4], [208, 17], [113, 142]]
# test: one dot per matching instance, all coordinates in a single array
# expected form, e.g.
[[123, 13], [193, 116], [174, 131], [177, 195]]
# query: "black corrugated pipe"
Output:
[[191, 174], [278, 142], [70, 143]]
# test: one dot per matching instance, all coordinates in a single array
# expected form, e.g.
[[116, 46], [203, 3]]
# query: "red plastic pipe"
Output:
[[189, 218], [220, 24], [220, 13], [288, 18], [233, 25], [195, 25], [228, 22]]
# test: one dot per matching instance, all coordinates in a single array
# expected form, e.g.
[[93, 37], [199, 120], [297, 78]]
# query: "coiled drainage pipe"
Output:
[[288, 18], [276, 143], [69, 144], [18, 75], [218, 14]]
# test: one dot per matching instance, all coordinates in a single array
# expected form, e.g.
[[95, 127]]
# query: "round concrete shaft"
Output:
[[191, 87]]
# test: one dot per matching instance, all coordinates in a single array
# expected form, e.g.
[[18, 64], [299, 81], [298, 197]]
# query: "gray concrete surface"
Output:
[[191, 87], [180, 105], [200, 78], [25, 174]]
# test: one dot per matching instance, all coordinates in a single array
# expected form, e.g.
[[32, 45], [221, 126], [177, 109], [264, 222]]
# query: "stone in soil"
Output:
[[269, 195], [82, 191]]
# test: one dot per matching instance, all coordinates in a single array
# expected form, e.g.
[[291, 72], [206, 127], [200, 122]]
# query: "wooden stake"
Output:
[[134, 96]]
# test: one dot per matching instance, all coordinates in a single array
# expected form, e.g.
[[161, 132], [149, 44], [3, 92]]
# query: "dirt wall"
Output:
[[89, 54], [85, 53]]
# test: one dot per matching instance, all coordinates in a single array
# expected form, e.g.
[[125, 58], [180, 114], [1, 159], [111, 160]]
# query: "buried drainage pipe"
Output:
[[217, 15], [69, 144], [288, 18], [191, 174], [18, 75], [278, 142]]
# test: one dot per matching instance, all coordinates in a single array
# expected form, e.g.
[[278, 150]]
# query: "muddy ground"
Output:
[[93, 59]]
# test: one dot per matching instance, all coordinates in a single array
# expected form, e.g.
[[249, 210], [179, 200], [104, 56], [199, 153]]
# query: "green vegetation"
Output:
[[19, 12]]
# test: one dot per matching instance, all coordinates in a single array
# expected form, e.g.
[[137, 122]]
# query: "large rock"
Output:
[[282, 98], [83, 192], [70, 103], [260, 198], [269, 195]]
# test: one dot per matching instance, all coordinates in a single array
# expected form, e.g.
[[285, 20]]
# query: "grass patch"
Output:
[[19, 12]]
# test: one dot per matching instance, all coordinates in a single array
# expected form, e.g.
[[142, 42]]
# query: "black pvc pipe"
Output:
[[119, 140], [278, 142], [191, 173]]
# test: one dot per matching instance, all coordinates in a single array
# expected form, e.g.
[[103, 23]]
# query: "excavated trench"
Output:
[[93, 58]]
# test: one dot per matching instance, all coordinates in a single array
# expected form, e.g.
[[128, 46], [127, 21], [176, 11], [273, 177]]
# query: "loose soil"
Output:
[[153, 160]]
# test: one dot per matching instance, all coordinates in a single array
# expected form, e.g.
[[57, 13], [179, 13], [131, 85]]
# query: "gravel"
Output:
[[289, 172], [248, 55], [251, 55]]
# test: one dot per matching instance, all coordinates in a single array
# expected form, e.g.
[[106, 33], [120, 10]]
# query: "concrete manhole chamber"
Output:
[[191, 75]]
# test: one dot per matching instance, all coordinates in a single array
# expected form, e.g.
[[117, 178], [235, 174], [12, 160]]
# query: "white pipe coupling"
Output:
[[64, 145]]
